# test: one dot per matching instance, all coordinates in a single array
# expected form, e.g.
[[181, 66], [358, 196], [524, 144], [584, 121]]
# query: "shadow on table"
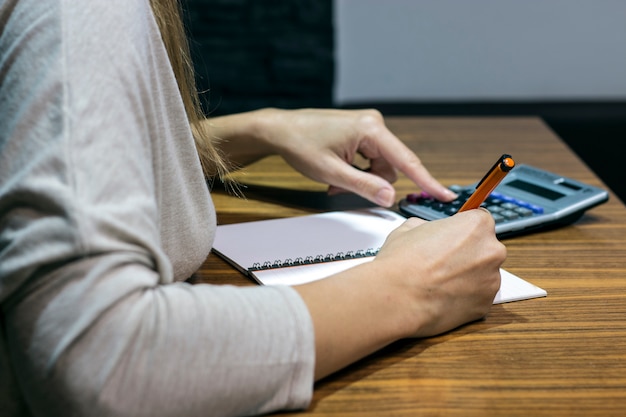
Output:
[[304, 199]]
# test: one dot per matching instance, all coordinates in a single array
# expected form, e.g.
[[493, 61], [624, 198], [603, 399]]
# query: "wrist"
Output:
[[397, 301]]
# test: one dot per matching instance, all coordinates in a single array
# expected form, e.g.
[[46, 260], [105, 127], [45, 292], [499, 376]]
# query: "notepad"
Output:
[[297, 250]]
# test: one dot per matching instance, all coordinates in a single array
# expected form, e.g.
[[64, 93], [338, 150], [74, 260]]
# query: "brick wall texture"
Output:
[[250, 54]]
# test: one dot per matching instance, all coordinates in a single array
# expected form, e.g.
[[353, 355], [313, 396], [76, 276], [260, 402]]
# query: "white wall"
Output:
[[425, 50]]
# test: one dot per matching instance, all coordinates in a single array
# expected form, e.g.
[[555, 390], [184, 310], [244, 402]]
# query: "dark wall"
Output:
[[250, 54]]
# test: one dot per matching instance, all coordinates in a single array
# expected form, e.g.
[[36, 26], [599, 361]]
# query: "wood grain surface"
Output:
[[563, 355]]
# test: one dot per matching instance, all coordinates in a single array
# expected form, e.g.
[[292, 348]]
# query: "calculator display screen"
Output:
[[535, 189]]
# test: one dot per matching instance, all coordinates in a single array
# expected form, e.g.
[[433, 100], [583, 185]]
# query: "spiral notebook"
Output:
[[296, 250]]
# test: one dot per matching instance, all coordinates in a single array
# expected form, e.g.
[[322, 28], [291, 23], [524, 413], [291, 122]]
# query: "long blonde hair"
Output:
[[168, 14]]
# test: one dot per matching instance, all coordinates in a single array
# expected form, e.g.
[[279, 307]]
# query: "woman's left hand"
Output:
[[323, 144]]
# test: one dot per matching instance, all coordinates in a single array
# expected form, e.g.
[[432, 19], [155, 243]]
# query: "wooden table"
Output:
[[563, 355]]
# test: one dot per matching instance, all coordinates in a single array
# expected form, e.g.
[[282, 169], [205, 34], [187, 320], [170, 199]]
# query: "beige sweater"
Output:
[[104, 212]]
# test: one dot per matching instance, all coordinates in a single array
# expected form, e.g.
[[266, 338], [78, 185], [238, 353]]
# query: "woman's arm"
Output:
[[427, 279], [322, 144], [242, 136]]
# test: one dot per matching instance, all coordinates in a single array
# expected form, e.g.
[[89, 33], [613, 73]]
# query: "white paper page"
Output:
[[246, 244], [250, 243], [512, 287], [295, 275]]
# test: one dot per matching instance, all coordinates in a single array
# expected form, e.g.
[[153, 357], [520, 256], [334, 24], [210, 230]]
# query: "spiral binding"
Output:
[[310, 260]]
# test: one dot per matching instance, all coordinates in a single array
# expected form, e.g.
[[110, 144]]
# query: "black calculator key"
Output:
[[498, 218], [501, 207], [493, 208], [509, 214], [524, 212]]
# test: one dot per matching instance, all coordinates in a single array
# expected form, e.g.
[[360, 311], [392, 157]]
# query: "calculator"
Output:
[[528, 199]]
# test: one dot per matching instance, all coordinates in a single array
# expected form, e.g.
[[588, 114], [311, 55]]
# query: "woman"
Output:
[[104, 212]]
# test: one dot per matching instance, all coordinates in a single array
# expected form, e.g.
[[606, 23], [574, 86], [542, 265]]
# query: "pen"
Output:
[[489, 182]]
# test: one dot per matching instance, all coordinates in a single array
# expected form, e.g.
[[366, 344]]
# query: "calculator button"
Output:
[[456, 188], [509, 214], [524, 204], [502, 207], [412, 198], [524, 212], [509, 206], [494, 208], [498, 218]]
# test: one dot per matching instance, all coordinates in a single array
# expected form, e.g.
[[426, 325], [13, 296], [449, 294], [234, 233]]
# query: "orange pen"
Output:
[[489, 182]]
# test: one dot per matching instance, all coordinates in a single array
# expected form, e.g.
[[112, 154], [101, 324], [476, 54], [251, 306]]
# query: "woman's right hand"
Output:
[[448, 269], [427, 279]]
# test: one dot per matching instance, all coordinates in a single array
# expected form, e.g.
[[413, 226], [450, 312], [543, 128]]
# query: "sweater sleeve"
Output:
[[103, 211], [99, 338]]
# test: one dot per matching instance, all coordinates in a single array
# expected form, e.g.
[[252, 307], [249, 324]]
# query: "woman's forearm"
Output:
[[242, 138], [354, 314], [426, 279]]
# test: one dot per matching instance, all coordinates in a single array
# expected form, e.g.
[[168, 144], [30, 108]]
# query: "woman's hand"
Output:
[[323, 144], [449, 268], [428, 278]]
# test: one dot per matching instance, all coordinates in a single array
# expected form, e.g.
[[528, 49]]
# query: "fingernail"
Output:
[[384, 197], [452, 194]]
